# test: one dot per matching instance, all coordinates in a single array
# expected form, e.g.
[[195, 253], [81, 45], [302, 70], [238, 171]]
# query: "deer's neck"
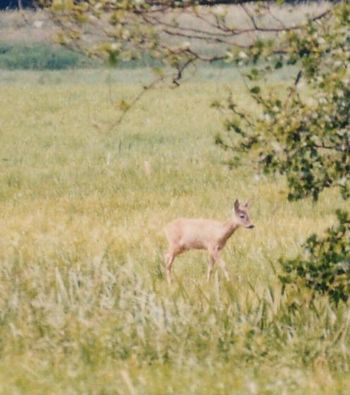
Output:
[[229, 228]]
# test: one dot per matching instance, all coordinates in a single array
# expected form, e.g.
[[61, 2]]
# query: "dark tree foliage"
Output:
[[304, 135], [17, 4], [324, 266]]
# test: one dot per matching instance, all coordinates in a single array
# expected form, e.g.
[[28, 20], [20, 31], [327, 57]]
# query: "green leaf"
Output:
[[255, 90]]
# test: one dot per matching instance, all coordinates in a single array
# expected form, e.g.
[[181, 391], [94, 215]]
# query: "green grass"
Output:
[[84, 307], [40, 56], [47, 56]]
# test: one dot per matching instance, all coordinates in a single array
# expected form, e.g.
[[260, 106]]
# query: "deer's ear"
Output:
[[236, 205], [246, 204]]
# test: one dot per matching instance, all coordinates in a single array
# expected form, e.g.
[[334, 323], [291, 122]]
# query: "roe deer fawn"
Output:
[[185, 234]]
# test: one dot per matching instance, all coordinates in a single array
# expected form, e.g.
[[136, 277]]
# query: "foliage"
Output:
[[325, 264], [13, 4], [175, 34], [304, 136], [17, 4]]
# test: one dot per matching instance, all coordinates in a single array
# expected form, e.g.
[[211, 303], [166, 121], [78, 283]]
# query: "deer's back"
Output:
[[190, 233]]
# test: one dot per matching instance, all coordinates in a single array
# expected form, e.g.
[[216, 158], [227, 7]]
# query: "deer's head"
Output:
[[241, 214]]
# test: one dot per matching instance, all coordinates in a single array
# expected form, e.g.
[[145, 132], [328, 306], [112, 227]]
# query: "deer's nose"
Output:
[[251, 226]]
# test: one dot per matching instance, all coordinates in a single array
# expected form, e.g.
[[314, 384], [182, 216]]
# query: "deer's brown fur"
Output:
[[184, 234]]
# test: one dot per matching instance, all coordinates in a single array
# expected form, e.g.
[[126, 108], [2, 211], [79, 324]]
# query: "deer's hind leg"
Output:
[[211, 264], [169, 260]]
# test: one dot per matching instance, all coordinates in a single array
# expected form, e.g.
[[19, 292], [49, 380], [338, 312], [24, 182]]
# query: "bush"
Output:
[[40, 57], [325, 265]]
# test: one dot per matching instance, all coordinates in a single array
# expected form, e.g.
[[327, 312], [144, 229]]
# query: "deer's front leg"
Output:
[[222, 265], [213, 257]]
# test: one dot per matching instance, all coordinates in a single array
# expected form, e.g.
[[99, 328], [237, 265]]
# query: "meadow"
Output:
[[84, 305]]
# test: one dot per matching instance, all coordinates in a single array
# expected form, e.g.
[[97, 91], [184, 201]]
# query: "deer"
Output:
[[184, 234]]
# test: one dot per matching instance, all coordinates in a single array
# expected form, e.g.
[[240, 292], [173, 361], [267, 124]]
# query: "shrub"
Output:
[[324, 266]]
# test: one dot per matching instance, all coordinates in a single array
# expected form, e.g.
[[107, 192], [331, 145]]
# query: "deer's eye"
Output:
[[242, 216]]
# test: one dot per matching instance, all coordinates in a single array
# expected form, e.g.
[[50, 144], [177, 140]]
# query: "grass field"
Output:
[[84, 306]]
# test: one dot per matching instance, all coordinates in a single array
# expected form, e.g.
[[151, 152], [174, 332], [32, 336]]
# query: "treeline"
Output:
[[32, 4], [16, 4]]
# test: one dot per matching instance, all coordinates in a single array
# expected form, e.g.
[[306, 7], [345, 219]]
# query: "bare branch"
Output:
[[136, 99]]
